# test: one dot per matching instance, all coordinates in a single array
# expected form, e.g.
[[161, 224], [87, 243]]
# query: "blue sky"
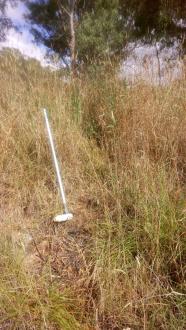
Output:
[[23, 40]]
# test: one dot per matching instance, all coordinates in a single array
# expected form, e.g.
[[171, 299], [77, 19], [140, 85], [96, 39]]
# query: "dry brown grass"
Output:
[[121, 262]]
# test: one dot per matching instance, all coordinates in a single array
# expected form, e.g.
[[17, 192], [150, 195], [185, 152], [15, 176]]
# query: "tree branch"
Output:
[[61, 7]]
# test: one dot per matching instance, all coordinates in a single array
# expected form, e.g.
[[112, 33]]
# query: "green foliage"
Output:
[[99, 35], [102, 27]]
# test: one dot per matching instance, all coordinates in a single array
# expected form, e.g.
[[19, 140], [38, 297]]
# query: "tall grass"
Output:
[[121, 262]]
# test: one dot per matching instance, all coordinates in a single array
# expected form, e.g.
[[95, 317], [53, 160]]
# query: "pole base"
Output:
[[63, 217]]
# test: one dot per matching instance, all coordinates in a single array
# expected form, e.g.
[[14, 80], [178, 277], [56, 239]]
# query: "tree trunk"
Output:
[[69, 10], [159, 64], [72, 38]]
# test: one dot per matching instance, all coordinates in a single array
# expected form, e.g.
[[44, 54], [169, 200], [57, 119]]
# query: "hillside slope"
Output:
[[121, 262]]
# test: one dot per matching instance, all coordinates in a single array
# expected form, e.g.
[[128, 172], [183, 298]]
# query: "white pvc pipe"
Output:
[[56, 164]]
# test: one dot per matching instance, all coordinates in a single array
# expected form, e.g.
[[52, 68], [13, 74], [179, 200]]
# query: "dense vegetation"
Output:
[[121, 262], [87, 31]]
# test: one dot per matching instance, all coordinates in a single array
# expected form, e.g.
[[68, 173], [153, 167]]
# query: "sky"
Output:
[[23, 41]]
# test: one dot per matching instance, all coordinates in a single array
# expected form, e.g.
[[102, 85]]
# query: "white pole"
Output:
[[56, 164]]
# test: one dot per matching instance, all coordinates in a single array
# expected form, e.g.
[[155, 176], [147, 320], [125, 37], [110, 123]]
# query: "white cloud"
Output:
[[16, 13], [23, 41]]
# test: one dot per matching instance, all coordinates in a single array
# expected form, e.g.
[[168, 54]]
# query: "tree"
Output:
[[86, 30], [156, 20], [69, 11], [101, 32], [77, 29], [54, 23]]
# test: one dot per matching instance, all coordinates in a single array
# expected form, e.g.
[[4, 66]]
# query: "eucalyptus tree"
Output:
[[84, 31], [78, 30]]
